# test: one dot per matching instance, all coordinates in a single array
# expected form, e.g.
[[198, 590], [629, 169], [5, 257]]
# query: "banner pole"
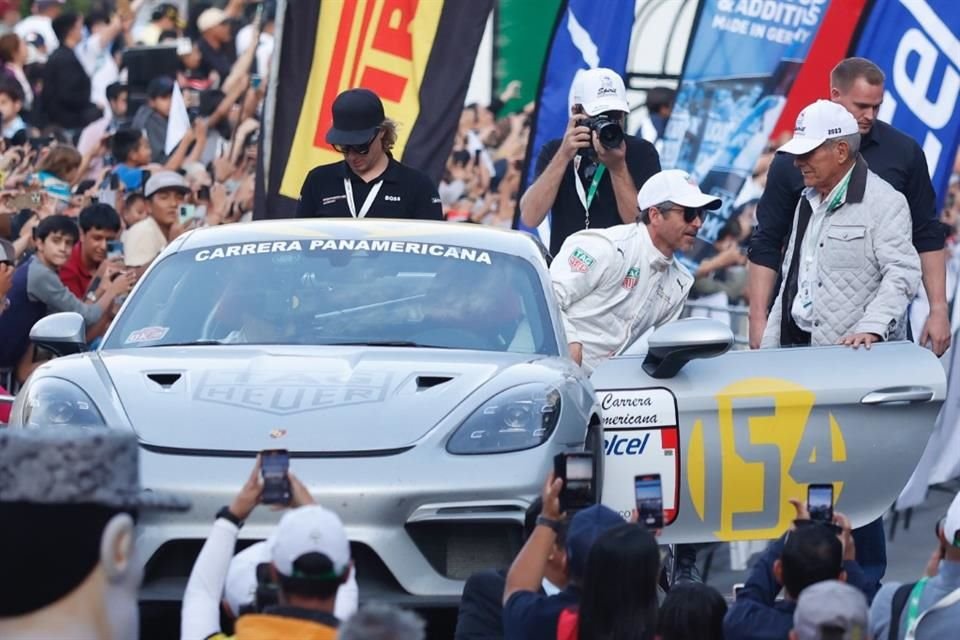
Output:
[[269, 109]]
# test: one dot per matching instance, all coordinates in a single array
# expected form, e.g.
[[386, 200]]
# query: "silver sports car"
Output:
[[418, 375]]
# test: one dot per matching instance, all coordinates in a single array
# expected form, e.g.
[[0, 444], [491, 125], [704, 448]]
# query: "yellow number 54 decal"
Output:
[[770, 449]]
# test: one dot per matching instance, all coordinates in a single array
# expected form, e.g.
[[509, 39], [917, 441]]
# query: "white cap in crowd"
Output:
[[817, 123], [676, 186], [240, 587], [211, 18], [310, 529], [951, 524], [165, 180], [834, 605], [599, 90]]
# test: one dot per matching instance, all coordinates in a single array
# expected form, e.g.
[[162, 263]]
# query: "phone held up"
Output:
[[579, 489], [820, 502], [274, 464], [648, 492], [114, 250]]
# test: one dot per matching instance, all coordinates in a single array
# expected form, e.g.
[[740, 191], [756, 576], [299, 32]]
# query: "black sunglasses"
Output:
[[689, 213], [362, 149]]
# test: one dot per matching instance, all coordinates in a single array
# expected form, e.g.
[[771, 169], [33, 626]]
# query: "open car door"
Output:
[[736, 434]]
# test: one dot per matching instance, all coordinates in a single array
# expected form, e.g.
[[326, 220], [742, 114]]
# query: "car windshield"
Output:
[[326, 292]]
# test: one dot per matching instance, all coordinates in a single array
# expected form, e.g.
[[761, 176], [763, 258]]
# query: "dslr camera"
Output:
[[609, 131]]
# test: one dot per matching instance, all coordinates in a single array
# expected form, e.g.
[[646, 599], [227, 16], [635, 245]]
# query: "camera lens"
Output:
[[610, 134]]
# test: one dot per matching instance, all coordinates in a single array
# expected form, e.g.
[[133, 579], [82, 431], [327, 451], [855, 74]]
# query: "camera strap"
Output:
[[586, 198], [374, 190]]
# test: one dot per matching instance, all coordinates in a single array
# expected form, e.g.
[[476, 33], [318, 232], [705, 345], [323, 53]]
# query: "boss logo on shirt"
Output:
[[630, 280], [392, 198], [332, 199]]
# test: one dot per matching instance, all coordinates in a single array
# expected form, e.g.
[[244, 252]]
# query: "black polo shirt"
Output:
[[891, 154], [567, 214], [406, 193]]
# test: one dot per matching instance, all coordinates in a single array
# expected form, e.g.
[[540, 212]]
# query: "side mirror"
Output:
[[676, 343], [62, 333]]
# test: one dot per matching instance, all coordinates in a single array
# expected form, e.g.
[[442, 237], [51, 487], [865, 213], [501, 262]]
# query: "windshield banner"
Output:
[[742, 63]]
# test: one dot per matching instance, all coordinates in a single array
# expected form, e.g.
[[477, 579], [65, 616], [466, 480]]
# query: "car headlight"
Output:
[[57, 402], [520, 418]]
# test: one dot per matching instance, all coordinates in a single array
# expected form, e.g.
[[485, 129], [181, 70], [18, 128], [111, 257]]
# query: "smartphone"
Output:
[[255, 80], [820, 502], [26, 200], [648, 492], [737, 588], [114, 250], [576, 471], [276, 485], [203, 193], [187, 213]]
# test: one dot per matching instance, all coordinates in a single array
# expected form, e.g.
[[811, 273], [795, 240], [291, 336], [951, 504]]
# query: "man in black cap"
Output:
[[368, 181]]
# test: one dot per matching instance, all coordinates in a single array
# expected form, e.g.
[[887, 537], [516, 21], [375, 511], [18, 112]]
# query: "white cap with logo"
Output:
[[310, 529], [676, 186], [599, 90], [817, 123]]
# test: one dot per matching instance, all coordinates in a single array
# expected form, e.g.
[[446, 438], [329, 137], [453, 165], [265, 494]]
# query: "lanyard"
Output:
[[840, 195], [374, 190], [914, 616], [586, 199]]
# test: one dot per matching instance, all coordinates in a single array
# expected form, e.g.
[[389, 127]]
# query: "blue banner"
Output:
[[744, 59], [917, 44], [588, 35]]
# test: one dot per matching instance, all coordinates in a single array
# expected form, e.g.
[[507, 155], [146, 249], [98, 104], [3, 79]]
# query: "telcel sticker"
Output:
[[147, 334], [640, 436]]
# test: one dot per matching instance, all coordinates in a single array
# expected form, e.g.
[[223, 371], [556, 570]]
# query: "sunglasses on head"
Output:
[[362, 149]]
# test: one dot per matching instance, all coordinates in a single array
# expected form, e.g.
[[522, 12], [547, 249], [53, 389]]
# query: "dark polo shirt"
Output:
[[406, 193]]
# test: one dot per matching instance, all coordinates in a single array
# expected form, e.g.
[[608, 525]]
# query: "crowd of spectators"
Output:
[[121, 129]]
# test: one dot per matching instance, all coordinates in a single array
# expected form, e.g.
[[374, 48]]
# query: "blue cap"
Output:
[[585, 527]]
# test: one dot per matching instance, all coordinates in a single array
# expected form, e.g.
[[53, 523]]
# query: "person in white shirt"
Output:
[[165, 192], [94, 53], [41, 22], [614, 284]]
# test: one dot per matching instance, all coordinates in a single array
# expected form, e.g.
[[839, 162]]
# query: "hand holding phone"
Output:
[[576, 471], [187, 213], [114, 250], [274, 464], [820, 502], [648, 492]]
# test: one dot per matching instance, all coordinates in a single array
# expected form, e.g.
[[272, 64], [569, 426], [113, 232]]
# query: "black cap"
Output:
[[356, 115], [159, 87]]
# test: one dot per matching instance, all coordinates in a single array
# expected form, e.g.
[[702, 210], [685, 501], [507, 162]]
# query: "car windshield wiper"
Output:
[[191, 343], [383, 343]]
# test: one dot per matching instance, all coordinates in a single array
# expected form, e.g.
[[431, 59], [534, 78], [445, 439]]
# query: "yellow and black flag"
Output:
[[417, 55]]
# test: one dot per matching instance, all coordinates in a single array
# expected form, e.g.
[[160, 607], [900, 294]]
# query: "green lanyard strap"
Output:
[[913, 604]]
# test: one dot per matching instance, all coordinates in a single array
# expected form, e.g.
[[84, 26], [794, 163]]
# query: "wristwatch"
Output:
[[549, 522], [229, 516]]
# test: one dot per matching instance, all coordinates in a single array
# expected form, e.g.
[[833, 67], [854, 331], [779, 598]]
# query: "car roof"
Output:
[[476, 236]]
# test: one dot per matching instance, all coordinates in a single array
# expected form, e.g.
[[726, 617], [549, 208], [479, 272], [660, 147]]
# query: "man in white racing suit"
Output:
[[614, 284]]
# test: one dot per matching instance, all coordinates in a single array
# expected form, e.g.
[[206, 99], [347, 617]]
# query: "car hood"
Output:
[[311, 399]]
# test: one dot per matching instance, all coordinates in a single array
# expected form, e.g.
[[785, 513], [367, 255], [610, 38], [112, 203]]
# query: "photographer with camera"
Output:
[[589, 179], [309, 561]]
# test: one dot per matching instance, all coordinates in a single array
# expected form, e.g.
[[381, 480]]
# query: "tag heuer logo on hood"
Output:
[[580, 261], [630, 280], [287, 393]]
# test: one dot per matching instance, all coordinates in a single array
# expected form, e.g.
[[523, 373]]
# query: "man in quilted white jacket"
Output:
[[850, 269]]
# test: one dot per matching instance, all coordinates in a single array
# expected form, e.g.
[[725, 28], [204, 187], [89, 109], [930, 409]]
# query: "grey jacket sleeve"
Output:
[[899, 265], [44, 286]]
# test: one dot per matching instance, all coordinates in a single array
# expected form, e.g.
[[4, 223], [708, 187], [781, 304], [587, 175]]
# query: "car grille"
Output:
[[458, 549]]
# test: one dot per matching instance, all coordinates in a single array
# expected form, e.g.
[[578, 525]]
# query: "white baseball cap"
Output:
[[600, 90], [676, 186], [817, 123], [951, 524], [165, 180], [310, 529], [211, 18]]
